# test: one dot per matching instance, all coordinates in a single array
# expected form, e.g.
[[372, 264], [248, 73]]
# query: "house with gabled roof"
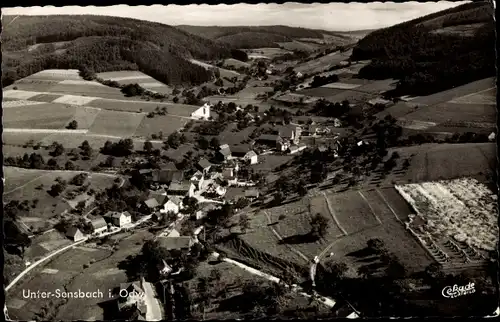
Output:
[[251, 157], [119, 219], [178, 243], [167, 175], [239, 151], [173, 204], [185, 188], [99, 225], [74, 234], [224, 153], [132, 295], [160, 196], [152, 204], [203, 165]]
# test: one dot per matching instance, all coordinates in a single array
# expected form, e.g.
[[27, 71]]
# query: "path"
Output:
[[280, 238], [370, 206], [38, 262], [332, 213], [153, 312]]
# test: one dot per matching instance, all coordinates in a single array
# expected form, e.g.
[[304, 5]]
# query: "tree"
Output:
[[79, 179], [52, 163], [244, 222], [86, 149], [319, 225], [69, 166], [376, 245], [73, 125], [203, 143], [148, 146], [301, 188], [214, 143], [58, 149], [56, 189]]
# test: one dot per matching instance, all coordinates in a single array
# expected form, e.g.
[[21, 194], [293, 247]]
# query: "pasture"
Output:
[[21, 138], [234, 63], [323, 63], [160, 123], [48, 207], [121, 124], [454, 93], [353, 96], [299, 45], [85, 116], [431, 162], [223, 72], [42, 116], [133, 77], [270, 162], [265, 53]]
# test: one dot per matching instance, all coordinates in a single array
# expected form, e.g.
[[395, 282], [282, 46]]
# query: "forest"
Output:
[[102, 44], [426, 62]]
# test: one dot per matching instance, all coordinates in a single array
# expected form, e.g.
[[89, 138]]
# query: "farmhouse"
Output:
[[290, 132], [152, 204], [172, 205], [74, 234], [160, 196], [167, 175], [224, 152], [177, 242], [203, 165], [251, 157], [119, 219], [271, 140], [99, 225], [228, 173], [239, 151], [252, 194], [185, 188], [202, 112]]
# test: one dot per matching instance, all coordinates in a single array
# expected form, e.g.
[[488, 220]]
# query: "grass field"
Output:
[[455, 113], [298, 45], [378, 86], [483, 97], [123, 124], [16, 177], [352, 211], [19, 139], [234, 63], [454, 93], [43, 116], [353, 96], [48, 207], [166, 124], [47, 98], [430, 162], [320, 91], [268, 53], [322, 63]]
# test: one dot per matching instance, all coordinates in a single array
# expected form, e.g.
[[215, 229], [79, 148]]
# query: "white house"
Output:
[[120, 219], [202, 113], [251, 157], [172, 205], [75, 234]]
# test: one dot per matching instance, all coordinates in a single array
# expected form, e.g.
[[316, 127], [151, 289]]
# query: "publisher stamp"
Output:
[[456, 291]]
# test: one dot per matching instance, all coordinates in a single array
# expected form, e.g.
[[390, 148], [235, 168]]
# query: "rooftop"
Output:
[[204, 163], [180, 186], [151, 203], [181, 242], [98, 222]]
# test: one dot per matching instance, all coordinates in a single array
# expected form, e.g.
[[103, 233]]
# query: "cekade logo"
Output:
[[456, 291]]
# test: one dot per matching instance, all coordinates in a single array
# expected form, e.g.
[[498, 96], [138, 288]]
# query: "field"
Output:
[[234, 63], [223, 72], [456, 115], [298, 45], [66, 272], [266, 53], [166, 124], [353, 96], [430, 162], [122, 124], [132, 77], [43, 116], [486, 84], [48, 208], [362, 215], [320, 91], [322, 63]]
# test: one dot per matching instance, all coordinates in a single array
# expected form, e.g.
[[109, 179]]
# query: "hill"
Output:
[[100, 43], [433, 53], [261, 36]]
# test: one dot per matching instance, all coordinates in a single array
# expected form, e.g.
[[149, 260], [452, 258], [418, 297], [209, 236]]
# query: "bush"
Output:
[[73, 125]]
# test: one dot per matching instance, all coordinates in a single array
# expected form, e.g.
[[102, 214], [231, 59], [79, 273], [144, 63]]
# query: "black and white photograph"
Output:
[[293, 161]]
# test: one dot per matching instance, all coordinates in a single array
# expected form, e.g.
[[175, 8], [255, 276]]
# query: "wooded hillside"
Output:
[[426, 57]]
